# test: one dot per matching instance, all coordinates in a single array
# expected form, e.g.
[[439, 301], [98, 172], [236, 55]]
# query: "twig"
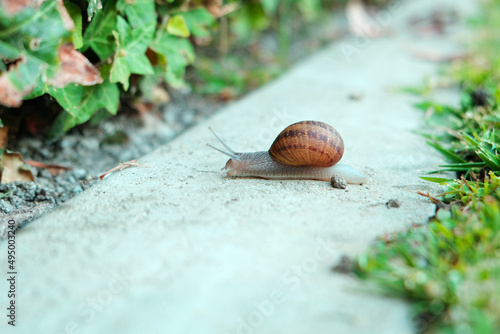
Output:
[[122, 166]]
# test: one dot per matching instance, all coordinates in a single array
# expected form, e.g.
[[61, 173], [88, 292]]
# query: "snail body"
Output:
[[307, 150]]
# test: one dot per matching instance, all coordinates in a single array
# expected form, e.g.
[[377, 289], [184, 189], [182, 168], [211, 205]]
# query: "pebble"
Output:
[[392, 203], [338, 182], [80, 173]]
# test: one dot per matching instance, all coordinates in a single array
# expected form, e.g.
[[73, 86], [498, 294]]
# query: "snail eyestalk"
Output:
[[231, 153]]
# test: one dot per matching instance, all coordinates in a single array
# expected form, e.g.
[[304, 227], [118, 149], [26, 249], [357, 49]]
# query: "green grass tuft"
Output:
[[449, 268]]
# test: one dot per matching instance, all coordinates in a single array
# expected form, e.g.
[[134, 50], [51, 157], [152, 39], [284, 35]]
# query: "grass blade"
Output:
[[448, 154], [489, 158]]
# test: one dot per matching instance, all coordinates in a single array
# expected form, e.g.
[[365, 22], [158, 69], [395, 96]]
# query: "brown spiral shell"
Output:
[[308, 143]]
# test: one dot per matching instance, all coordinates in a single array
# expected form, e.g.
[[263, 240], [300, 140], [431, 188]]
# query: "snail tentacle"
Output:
[[231, 153]]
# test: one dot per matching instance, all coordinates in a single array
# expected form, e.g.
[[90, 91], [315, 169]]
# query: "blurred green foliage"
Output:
[[125, 42]]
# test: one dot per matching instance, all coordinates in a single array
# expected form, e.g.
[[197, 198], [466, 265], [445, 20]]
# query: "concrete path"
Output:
[[177, 248]]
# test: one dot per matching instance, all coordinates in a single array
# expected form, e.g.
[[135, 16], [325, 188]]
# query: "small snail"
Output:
[[307, 150]]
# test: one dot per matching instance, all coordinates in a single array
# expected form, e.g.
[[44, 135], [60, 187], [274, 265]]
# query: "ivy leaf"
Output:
[[25, 74], [177, 53], [99, 33], [76, 15], [198, 21], [68, 97], [120, 72], [130, 56], [139, 13], [270, 6], [75, 67], [248, 19], [94, 7], [82, 102], [31, 42], [177, 26]]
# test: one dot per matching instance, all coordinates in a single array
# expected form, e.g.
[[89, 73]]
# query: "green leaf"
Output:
[[177, 26], [466, 165], [198, 21], [139, 64], [485, 154], [82, 102], [38, 90], [270, 6], [130, 55], [103, 96], [9, 51], [139, 13], [120, 72], [424, 106], [68, 97], [460, 167], [447, 153], [26, 75], [45, 25], [449, 169], [32, 36], [99, 33], [76, 16], [93, 7], [248, 19], [178, 53], [439, 180]]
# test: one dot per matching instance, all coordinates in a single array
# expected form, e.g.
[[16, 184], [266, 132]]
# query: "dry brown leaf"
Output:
[[435, 22], [75, 67], [360, 22], [4, 131], [54, 169], [213, 6], [14, 169], [68, 22], [217, 9], [12, 7], [439, 57], [229, 8], [144, 107], [10, 96]]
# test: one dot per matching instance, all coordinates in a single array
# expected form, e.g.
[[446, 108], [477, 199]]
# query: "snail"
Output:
[[307, 150]]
